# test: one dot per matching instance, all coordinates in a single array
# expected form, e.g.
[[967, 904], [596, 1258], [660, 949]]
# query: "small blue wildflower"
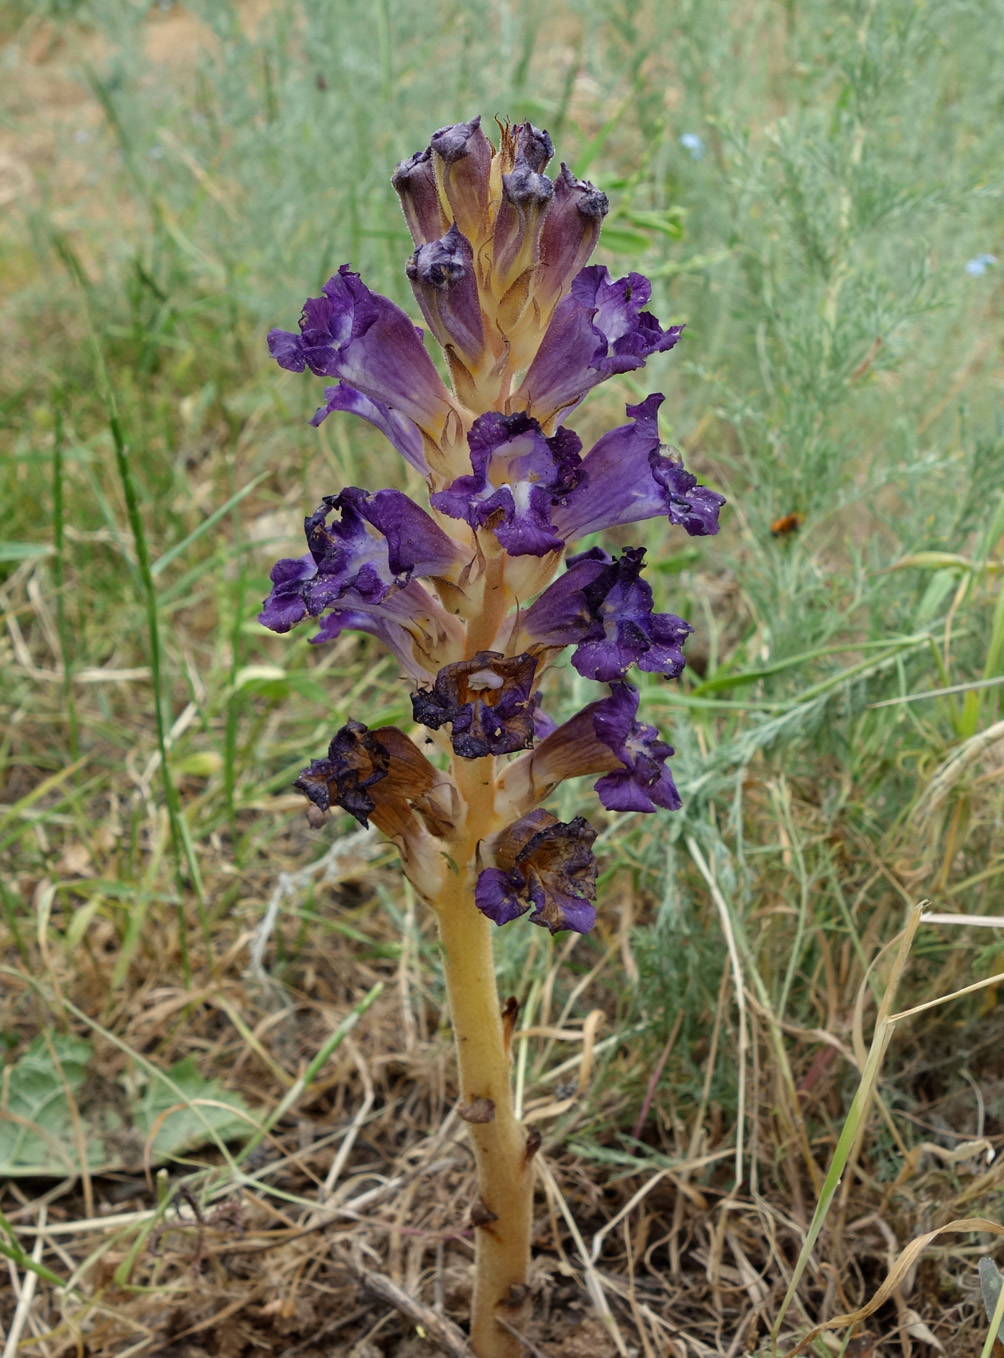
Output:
[[980, 264], [691, 142]]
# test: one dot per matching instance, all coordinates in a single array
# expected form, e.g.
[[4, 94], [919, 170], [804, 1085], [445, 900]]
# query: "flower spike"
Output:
[[478, 596]]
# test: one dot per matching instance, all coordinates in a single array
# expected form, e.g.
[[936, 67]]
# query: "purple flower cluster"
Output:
[[475, 595]]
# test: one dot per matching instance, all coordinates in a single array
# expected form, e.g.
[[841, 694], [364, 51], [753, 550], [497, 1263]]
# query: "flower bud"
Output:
[[526, 198], [414, 182], [534, 146], [442, 278], [569, 234], [462, 156]]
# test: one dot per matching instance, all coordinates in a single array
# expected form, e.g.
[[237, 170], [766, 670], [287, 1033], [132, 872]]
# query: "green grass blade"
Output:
[[210, 522], [59, 565], [854, 1124]]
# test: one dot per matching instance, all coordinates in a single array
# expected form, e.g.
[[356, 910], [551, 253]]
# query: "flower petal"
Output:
[[498, 896], [362, 337], [561, 614], [626, 478], [411, 623], [623, 629], [286, 605], [598, 330], [399, 430], [643, 782]]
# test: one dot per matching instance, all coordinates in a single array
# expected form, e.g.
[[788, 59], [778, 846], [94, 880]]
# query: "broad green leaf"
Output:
[[47, 1086], [185, 1127], [36, 1122]]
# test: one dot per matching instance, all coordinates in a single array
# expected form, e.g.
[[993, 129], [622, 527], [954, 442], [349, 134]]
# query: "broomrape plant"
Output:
[[476, 596]]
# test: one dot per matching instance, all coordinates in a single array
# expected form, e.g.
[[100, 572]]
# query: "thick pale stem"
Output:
[[482, 630], [504, 1169]]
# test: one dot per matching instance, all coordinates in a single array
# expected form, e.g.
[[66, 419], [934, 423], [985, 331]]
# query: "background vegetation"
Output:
[[175, 181]]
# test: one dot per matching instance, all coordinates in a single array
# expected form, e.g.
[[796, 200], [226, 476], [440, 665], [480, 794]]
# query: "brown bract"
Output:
[[382, 776]]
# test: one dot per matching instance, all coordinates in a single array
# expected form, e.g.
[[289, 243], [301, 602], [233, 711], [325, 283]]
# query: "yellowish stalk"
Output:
[[496, 598], [503, 1206]]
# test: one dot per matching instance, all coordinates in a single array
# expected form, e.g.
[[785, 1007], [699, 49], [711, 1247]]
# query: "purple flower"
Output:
[[527, 194], [397, 428], [486, 699], [375, 546], [624, 631], [598, 330], [518, 475], [356, 760], [380, 775], [561, 614], [569, 234], [363, 338], [462, 155], [442, 278], [544, 865], [643, 782], [606, 606], [626, 477], [410, 622], [414, 182], [606, 738]]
